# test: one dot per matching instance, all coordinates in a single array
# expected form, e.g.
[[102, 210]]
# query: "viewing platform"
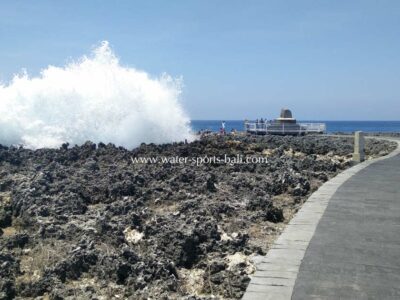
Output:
[[284, 125], [270, 127]]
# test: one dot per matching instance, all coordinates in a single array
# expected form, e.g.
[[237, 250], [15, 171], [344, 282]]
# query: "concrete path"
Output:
[[343, 244], [355, 251]]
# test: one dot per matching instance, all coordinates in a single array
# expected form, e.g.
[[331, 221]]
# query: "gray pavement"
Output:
[[344, 243], [355, 250]]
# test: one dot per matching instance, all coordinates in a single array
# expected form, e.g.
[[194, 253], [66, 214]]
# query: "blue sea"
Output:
[[331, 126]]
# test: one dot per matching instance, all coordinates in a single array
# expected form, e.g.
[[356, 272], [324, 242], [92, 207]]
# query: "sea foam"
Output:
[[94, 98]]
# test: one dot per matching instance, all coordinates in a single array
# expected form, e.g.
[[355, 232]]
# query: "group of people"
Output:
[[222, 130], [260, 123]]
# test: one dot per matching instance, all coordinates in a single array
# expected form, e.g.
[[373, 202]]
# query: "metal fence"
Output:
[[282, 128]]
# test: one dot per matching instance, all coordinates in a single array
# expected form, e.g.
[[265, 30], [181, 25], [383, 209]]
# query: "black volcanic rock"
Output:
[[88, 221]]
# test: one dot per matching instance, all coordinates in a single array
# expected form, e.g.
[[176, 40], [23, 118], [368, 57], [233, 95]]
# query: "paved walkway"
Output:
[[355, 251], [351, 250]]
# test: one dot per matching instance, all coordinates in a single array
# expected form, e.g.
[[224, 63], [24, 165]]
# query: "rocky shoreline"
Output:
[[88, 222]]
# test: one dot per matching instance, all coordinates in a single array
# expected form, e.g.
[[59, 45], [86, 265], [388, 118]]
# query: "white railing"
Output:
[[314, 127], [298, 128]]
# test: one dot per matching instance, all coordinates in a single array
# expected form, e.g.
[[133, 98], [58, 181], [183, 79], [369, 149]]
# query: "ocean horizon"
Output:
[[331, 126]]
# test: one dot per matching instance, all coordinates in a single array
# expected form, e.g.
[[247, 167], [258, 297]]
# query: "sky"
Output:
[[323, 59]]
